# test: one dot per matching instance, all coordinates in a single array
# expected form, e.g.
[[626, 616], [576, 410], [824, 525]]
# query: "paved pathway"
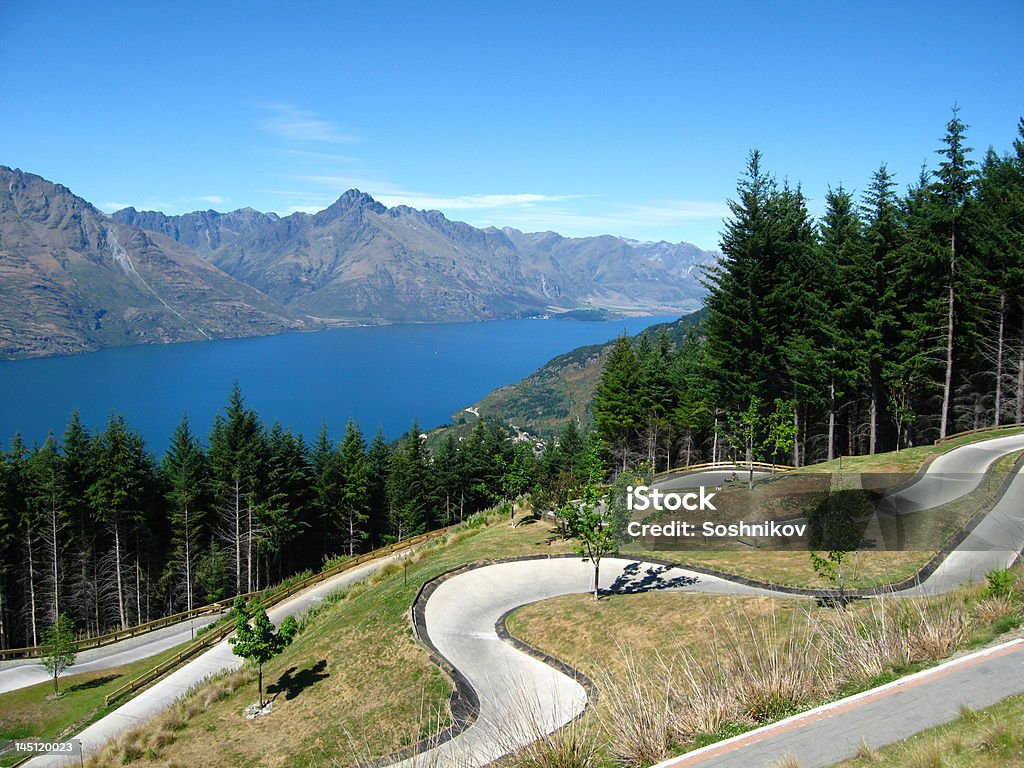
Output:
[[218, 659], [513, 687], [20, 673], [881, 716]]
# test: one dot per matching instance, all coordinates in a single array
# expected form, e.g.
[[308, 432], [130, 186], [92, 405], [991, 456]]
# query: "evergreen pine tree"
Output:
[[953, 185], [355, 487], [186, 477]]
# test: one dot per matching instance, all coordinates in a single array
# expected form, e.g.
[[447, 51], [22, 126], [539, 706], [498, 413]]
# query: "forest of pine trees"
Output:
[[93, 526], [894, 320]]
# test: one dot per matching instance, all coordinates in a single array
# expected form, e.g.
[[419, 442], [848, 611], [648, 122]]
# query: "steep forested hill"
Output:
[[563, 388]]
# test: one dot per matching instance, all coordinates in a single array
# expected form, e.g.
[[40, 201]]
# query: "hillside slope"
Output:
[[564, 387]]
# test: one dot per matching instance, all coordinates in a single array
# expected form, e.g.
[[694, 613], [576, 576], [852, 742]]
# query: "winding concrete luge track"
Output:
[[520, 697]]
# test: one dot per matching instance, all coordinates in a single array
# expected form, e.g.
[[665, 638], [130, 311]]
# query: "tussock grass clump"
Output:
[[391, 569], [937, 628], [574, 746], [867, 753], [147, 740], [524, 739], [893, 635], [927, 756], [773, 671], [996, 610], [640, 707], [861, 646], [763, 671], [759, 673]]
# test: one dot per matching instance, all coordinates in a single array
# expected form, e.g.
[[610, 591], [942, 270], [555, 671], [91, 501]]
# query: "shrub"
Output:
[[1001, 582]]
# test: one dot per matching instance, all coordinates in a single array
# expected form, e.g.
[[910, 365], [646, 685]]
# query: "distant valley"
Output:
[[74, 279]]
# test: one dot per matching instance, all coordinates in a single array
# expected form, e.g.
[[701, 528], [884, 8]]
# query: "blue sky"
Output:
[[625, 118]]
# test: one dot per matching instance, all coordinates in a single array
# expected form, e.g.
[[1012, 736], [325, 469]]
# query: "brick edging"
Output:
[[501, 628]]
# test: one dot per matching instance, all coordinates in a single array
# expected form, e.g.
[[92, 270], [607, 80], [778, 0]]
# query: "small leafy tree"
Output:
[[618, 515], [834, 525], [782, 428], [585, 523], [60, 649], [830, 568], [256, 639], [747, 433]]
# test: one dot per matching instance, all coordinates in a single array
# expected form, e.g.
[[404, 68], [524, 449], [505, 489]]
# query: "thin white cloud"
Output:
[[296, 124], [574, 215], [676, 210], [614, 219], [213, 199], [317, 157], [472, 202]]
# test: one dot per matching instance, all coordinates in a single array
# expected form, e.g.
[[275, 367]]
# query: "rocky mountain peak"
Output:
[[352, 200]]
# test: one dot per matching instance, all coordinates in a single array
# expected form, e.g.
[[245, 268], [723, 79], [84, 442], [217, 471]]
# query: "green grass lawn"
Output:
[[907, 460]]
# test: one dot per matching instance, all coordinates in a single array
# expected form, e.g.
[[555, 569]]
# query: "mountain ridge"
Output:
[[358, 260], [75, 279]]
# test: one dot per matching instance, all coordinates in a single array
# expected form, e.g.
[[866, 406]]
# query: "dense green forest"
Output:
[[93, 526], [895, 319]]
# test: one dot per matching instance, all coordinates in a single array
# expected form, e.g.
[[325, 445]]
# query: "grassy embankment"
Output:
[[987, 738], [681, 671], [352, 685]]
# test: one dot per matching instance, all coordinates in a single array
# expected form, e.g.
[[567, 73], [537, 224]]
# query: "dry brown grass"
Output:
[[151, 739], [688, 667], [640, 702], [992, 609], [574, 746], [892, 633]]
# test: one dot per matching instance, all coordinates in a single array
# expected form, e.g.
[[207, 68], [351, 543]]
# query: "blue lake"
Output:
[[383, 376]]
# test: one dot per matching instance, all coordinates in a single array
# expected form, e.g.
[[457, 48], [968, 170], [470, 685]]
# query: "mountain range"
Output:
[[74, 279]]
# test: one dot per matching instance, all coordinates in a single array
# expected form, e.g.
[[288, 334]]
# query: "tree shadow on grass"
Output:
[[292, 683], [96, 682], [637, 577]]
